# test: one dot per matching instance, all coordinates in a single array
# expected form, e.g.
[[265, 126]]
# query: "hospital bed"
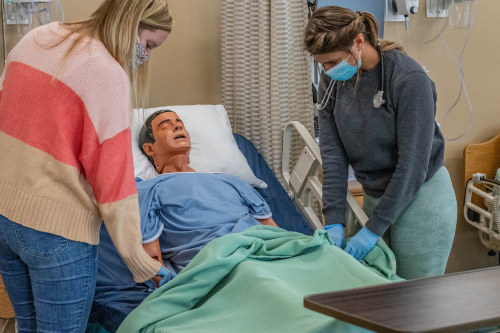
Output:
[[117, 294]]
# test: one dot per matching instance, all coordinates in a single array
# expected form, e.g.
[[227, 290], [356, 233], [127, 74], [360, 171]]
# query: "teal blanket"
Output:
[[255, 281]]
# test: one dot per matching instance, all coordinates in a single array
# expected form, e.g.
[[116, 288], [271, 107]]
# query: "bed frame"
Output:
[[302, 181]]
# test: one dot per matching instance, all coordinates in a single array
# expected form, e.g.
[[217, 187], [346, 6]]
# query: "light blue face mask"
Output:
[[344, 71]]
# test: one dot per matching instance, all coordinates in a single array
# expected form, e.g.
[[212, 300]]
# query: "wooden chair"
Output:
[[482, 157]]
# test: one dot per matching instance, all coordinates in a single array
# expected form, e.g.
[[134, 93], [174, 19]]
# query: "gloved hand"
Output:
[[336, 232], [362, 243], [166, 275]]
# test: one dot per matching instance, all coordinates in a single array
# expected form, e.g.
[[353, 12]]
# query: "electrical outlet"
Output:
[[433, 10]]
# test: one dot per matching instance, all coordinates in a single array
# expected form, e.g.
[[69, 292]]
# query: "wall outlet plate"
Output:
[[433, 10]]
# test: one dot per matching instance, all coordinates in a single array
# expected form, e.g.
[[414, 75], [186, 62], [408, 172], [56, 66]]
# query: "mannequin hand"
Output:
[[166, 275], [336, 232], [163, 276], [362, 243]]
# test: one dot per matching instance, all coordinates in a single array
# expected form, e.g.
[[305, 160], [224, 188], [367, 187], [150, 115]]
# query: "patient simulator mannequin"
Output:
[[184, 210]]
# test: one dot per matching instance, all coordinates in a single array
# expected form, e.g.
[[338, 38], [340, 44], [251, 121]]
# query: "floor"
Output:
[[7, 326]]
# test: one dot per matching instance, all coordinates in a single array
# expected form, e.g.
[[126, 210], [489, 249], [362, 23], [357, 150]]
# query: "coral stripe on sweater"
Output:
[[44, 116]]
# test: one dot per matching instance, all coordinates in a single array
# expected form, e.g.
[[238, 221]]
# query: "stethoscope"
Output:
[[378, 99]]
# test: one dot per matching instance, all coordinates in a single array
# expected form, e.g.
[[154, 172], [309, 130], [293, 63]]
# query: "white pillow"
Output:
[[213, 148]]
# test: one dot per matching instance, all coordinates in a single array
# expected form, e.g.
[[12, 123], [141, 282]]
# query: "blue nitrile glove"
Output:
[[166, 275], [362, 243], [336, 232]]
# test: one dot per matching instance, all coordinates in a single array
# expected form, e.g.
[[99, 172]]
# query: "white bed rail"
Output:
[[302, 181], [489, 231]]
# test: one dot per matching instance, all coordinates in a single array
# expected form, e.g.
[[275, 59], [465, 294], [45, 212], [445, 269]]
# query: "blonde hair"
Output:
[[116, 23], [333, 28]]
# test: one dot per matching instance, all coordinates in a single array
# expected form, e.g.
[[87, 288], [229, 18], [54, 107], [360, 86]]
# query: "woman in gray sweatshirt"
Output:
[[396, 149]]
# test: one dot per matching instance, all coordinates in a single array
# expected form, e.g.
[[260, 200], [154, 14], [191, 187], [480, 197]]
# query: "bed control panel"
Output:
[[306, 166]]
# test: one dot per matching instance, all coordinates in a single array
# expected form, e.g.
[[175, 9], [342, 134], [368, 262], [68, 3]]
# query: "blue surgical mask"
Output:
[[344, 71]]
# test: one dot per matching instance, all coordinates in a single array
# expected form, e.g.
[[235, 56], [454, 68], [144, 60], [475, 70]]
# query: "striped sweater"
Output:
[[65, 145]]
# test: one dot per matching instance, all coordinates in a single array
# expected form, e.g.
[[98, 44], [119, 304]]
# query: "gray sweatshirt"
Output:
[[393, 150]]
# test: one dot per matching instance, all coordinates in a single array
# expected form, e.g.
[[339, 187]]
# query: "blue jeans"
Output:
[[49, 279]]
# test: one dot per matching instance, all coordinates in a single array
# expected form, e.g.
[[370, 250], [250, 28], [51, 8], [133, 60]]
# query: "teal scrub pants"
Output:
[[422, 235]]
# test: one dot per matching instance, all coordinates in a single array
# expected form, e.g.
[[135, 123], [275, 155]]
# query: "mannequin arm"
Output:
[[268, 221], [154, 251]]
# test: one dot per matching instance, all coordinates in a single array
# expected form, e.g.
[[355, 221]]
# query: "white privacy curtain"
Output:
[[266, 79]]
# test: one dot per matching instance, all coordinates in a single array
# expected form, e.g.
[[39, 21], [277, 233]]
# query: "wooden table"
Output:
[[450, 303]]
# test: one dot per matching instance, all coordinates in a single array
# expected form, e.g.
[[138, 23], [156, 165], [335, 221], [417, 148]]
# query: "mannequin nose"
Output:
[[178, 127]]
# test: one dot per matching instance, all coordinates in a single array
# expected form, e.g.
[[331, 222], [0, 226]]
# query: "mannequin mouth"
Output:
[[181, 136]]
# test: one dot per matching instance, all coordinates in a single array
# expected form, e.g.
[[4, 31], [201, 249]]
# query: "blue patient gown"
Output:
[[187, 210]]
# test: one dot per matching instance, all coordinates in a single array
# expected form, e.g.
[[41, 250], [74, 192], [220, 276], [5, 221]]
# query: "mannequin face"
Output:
[[171, 138]]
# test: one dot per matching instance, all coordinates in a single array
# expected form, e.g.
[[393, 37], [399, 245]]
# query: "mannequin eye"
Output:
[[163, 123]]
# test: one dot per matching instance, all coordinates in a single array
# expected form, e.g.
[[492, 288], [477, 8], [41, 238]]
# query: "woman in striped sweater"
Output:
[[66, 158]]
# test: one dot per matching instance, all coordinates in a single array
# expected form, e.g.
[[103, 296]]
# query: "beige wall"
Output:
[[186, 69], [482, 75]]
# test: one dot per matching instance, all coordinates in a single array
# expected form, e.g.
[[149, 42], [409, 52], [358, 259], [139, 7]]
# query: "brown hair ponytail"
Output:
[[334, 28]]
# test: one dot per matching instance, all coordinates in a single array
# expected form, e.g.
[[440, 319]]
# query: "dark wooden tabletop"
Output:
[[450, 303]]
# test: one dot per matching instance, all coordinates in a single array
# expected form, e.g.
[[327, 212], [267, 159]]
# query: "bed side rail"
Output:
[[487, 221], [302, 181]]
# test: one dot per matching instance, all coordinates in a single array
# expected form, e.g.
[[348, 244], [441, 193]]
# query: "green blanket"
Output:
[[255, 281]]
